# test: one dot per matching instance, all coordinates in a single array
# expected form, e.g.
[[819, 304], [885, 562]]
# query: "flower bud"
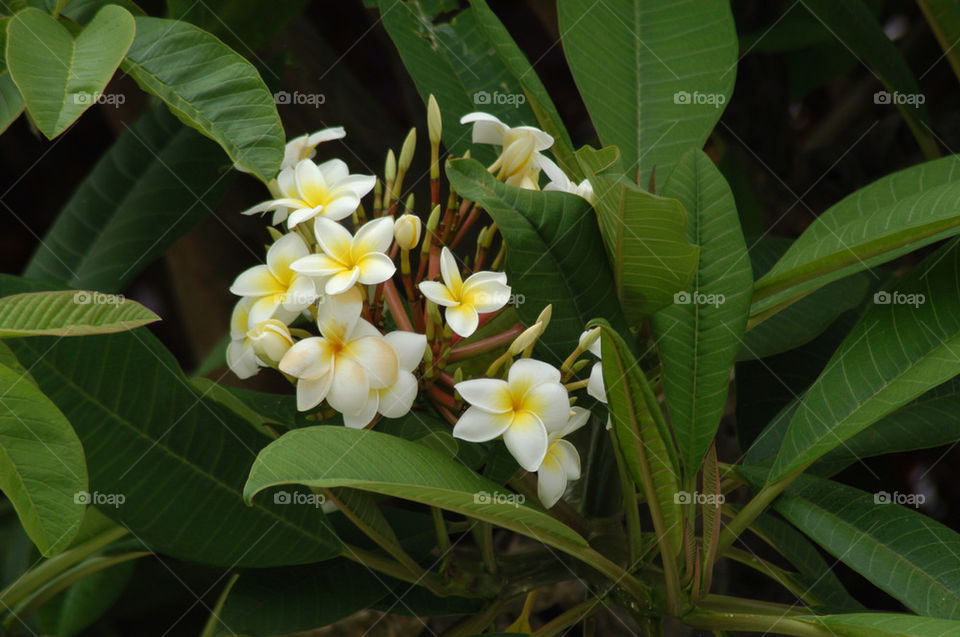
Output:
[[517, 155], [406, 151], [434, 121], [408, 204], [390, 168], [590, 341], [270, 339], [407, 231], [545, 315], [526, 338]]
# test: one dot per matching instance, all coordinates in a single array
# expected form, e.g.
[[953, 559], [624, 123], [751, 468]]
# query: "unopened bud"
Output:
[[526, 338], [407, 231], [545, 315], [390, 168], [270, 339], [517, 155], [406, 151], [434, 121], [408, 204], [274, 233], [458, 375], [590, 341], [580, 364]]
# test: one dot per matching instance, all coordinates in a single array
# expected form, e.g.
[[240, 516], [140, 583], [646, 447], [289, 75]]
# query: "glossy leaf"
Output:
[[11, 104], [70, 313], [42, 466], [699, 335], [241, 24], [655, 75], [884, 625], [156, 181], [59, 75], [211, 88], [554, 254]]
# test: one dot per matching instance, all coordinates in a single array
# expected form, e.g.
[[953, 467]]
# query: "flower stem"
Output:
[[397, 311], [485, 345]]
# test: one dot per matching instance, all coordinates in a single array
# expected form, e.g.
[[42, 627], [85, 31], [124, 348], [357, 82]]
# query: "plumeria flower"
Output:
[[308, 190], [346, 259], [560, 182], [522, 409], [347, 360], [464, 301], [394, 401], [280, 292], [241, 358], [270, 340], [561, 463], [595, 386], [305, 146], [521, 159]]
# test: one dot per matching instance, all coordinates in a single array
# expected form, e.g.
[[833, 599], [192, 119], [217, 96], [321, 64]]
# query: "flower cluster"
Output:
[[368, 313]]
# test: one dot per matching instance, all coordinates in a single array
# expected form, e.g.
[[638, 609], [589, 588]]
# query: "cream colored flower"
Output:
[[345, 259], [407, 231], [595, 386], [308, 190], [560, 182], [521, 156], [241, 359], [270, 339], [347, 360], [279, 291], [523, 409], [394, 401], [305, 146], [561, 463], [464, 301]]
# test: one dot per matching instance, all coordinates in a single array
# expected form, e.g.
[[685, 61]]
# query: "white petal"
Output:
[[396, 400], [310, 183], [373, 236], [375, 267], [489, 394], [463, 319], [337, 315], [477, 425], [341, 207], [487, 295], [554, 172], [239, 318], [350, 389], [308, 358], [302, 214], [301, 293], [409, 347], [326, 135], [365, 415], [264, 308], [595, 386], [287, 184], [377, 357], [551, 482], [595, 346], [256, 281], [487, 129], [317, 265], [437, 292], [568, 457], [578, 419], [359, 185], [312, 391], [526, 440], [333, 170], [285, 251], [334, 239], [450, 270], [342, 281], [542, 140], [527, 372], [241, 360], [550, 402]]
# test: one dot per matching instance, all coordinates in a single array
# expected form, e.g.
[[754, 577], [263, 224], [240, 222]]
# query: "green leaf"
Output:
[[645, 236], [83, 603], [889, 218], [944, 18], [42, 466], [905, 553], [70, 313], [453, 61], [331, 456], [60, 76], [554, 254], [157, 180], [883, 625], [211, 88], [856, 27], [654, 74], [895, 353], [699, 336], [242, 24], [648, 454], [11, 104]]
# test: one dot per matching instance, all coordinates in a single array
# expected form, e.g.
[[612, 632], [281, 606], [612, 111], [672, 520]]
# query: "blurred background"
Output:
[[802, 130]]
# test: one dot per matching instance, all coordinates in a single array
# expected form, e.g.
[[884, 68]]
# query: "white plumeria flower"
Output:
[[464, 301], [595, 386], [270, 340], [308, 190], [523, 409], [347, 360], [241, 359], [397, 399], [560, 182], [345, 259], [521, 159], [279, 291], [561, 463], [305, 146]]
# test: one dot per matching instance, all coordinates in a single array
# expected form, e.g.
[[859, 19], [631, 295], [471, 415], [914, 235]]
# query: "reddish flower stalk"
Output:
[[469, 221], [396, 306], [486, 344]]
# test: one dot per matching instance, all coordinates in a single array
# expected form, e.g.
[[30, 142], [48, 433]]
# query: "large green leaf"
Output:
[[884, 625], [901, 551], [60, 76], [554, 254], [156, 181], [177, 459], [211, 88], [453, 61], [896, 352], [647, 450], [42, 467], [645, 236], [331, 456], [70, 313], [891, 217], [241, 24], [654, 74], [699, 335], [855, 26], [11, 104]]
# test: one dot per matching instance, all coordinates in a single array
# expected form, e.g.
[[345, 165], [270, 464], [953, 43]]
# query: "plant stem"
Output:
[[396, 306], [568, 618], [486, 344], [474, 624], [753, 508], [760, 623], [210, 627]]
